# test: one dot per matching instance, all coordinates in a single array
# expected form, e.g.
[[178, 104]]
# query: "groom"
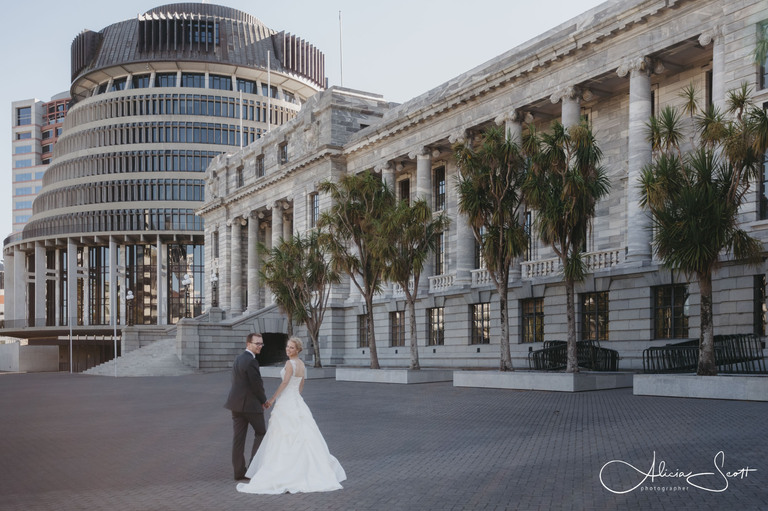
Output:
[[247, 401]]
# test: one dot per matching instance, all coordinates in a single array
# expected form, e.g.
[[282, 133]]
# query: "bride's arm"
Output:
[[286, 379]]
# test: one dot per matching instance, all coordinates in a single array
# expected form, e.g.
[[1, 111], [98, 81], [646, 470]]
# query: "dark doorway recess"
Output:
[[273, 352]]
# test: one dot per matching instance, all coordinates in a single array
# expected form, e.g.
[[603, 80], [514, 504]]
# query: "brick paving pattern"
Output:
[[71, 442]]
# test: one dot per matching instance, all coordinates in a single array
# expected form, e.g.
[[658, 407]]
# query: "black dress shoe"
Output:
[[243, 478]]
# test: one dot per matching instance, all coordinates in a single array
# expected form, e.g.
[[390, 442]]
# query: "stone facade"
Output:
[[616, 64]]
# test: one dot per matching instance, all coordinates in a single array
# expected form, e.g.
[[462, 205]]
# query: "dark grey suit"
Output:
[[245, 400]]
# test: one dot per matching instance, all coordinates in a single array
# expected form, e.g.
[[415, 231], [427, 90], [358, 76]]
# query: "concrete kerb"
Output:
[[539, 380], [733, 387]]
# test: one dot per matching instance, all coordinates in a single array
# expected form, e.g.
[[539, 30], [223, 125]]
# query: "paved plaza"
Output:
[[163, 443]]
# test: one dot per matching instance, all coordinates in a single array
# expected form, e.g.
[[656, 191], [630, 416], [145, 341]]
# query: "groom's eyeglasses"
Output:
[[257, 343]]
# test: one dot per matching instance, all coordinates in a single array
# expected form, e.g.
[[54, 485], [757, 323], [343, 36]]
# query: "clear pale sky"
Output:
[[399, 48]]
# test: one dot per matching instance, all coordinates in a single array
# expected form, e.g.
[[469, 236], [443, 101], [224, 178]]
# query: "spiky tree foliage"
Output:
[[413, 234], [694, 195], [302, 277], [564, 184], [356, 236], [489, 186]]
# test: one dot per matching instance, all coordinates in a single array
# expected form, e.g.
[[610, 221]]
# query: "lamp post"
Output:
[[186, 281], [214, 290], [129, 299]]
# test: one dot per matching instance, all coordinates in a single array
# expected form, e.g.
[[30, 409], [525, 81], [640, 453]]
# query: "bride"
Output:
[[293, 457]]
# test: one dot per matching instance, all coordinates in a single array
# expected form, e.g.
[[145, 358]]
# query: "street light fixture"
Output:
[[129, 298], [214, 290], [186, 281]]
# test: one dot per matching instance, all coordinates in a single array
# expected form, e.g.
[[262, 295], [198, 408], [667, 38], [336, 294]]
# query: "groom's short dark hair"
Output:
[[251, 336]]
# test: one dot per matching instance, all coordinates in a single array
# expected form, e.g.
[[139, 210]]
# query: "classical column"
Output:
[[225, 265], [388, 175], [236, 285], [638, 155], [40, 287], [715, 35], [277, 223], [162, 284], [513, 126], [71, 282], [570, 105], [57, 271], [253, 263], [10, 298], [423, 174], [114, 277], [86, 288], [424, 191]]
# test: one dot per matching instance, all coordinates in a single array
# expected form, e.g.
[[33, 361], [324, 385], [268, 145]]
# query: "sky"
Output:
[[399, 49]]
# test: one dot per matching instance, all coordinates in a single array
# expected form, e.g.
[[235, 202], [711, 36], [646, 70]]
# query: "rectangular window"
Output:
[[532, 320], [140, 81], [594, 316], [196, 80], [397, 328], [763, 39], [436, 326], [440, 254], [119, 84], [247, 86], [260, 166], [670, 311], [760, 316], [314, 209], [220, 82], [439, 185], [22, 164], [529, 255], [362, 331], [481, 323], [23, 115], [282, 153], [24, 136], [165, 80], [22, 149], [405, 190], [47, 134], [479, 258]]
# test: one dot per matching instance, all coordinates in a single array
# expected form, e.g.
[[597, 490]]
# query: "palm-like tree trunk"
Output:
[[570, 312], [707, 362], [412, 323]]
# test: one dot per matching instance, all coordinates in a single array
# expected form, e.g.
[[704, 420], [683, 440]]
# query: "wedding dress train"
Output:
[[293, 456]]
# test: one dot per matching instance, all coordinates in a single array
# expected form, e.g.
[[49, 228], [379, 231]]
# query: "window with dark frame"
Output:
[[397, 328], [532, 320], [436, 326], [670, 311], [481, 323], [362, 331], [594, 316], [314, 209], [440, 254], [439, 188], [760, 312], [405, 190]]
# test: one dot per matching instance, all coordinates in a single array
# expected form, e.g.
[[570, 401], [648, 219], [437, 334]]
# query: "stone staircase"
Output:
[[156, 359]]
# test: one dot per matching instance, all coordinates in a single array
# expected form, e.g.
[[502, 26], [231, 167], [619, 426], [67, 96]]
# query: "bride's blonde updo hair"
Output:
[[297, 342]]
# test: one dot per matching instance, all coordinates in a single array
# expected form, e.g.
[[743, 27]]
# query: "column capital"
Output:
[[633, 65], [383, 167], [710, 35], [565, 92], [420, 153], [511, 116], [458, 137]]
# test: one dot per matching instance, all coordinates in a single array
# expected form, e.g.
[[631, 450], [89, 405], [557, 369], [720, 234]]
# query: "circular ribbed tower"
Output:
[[155, 98]]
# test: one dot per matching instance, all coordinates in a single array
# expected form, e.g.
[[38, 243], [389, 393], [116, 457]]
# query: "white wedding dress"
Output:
[[293, 456]]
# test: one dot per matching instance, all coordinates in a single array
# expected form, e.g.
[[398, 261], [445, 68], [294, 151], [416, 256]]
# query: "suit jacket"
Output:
[[247, 392]]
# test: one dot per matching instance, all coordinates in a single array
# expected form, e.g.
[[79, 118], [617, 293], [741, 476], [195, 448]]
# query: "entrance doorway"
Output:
[[273, 352]]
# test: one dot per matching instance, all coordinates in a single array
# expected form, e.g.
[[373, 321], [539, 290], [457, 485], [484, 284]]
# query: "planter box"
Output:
[[393, 375], [534, 380], [739, 387], [312, 372]]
